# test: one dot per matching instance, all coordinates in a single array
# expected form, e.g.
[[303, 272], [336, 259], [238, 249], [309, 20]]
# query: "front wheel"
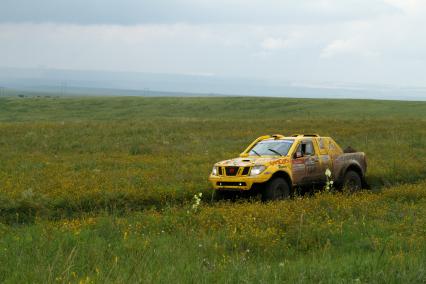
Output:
[[352, 181], [276, 189]]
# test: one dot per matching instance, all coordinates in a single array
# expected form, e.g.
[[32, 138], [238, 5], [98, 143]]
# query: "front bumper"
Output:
[[237, 182]]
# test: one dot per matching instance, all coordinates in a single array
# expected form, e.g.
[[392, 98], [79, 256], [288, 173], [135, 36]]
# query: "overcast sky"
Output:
[[361, 41]]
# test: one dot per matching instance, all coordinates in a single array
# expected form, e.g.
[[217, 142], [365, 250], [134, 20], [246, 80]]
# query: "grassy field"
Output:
[[100, 190]]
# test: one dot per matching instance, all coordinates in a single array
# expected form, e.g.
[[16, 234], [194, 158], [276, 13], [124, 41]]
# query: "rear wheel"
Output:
[[352, 181], [276, 189]]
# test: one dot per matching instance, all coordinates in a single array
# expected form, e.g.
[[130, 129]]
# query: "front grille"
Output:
[[220, 171], [230, 183], [245, 171], [231, 171]]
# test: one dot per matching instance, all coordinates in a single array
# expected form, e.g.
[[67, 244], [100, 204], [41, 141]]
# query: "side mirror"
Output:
[[298, 155], [244, 155]]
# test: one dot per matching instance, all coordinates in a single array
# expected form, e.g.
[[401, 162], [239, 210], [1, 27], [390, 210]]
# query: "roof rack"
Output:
[[305, 135]]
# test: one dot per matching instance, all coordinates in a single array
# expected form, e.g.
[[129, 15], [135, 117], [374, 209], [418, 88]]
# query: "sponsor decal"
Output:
[[298, 166], [279, 162], [298, 161]]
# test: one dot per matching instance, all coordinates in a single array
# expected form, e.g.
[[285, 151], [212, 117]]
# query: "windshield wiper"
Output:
[[276, 152], [255, 152]]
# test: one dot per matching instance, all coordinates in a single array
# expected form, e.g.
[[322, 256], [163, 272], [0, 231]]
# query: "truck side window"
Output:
[[309, 148], [321, 143], [306, 148]]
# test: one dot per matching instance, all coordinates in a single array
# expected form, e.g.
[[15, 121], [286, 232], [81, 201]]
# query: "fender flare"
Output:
[[285, 175], [352, 165]]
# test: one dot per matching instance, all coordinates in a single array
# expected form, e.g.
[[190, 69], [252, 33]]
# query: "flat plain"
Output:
[[100, 189]]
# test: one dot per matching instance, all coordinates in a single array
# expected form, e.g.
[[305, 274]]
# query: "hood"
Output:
[[249, 161]]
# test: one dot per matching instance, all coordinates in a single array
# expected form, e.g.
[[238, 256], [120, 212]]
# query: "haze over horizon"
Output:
[[307, 43]]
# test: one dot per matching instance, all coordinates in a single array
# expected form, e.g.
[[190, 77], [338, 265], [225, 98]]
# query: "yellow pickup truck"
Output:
[[276, 164]]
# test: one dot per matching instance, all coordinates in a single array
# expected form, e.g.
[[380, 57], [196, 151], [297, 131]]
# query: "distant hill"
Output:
[[149, 84]]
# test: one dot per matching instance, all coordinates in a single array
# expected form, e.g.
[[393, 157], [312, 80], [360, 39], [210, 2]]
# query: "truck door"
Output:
[[306, 166]]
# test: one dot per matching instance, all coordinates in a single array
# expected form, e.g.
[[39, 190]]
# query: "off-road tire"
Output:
[[352, 181], [276, 189]]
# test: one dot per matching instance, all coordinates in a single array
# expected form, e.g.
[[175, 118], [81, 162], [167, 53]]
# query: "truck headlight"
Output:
[[256, 170], [214, 171]]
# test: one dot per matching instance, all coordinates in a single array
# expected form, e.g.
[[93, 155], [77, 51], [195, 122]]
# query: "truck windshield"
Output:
[[271, 148]]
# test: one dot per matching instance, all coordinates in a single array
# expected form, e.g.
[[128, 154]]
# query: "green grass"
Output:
[[76, 174], [366, 237]]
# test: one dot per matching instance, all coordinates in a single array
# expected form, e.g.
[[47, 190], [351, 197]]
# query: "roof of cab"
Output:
[[293, 136]]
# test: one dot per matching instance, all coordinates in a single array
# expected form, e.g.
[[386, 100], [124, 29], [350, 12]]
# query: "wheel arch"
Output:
[[352, 167], [284, 175]]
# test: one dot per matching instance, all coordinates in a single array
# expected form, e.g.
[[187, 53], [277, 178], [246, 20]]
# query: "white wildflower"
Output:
[[329, 183], [197, 201]]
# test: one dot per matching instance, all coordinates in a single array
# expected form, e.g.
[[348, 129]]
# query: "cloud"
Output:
[[274, 43], [408, 6], [133, 12], [175, 48], [310, 40], [347, 47]]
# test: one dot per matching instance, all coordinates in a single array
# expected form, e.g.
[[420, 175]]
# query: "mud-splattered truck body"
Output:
[[276, 164]]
